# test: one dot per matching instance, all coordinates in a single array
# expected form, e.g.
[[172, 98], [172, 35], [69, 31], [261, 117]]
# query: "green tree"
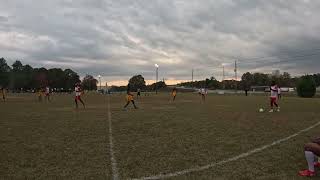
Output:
[[247, 80], [27, 72], [137, 82], [70, 79], [89, 83], [306, 87], [4, 73], [260, 79], [17, 76], [40, 77], [56, 78]]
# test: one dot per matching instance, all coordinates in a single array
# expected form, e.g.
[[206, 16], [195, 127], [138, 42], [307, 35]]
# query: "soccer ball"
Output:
[[261, 110]]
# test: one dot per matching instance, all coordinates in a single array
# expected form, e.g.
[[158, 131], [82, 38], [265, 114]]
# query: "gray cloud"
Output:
[[120, 38]]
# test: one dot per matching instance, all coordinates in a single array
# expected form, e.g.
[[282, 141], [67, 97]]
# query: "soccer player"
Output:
[[47, 93], [78, 92], [39, 94], [174, 94], [311, 152], [203, 93], [279, 93], [129, 99], [138, 93], [3, 92], [274, 97]]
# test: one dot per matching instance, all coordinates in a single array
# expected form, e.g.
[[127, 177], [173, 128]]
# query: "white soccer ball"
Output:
[[261, 110]]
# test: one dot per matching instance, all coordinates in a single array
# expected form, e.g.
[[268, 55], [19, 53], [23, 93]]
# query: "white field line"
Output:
[[235, 158], [115, 174]]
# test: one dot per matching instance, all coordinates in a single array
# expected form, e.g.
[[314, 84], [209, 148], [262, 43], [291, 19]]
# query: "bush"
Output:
[[306, 87]]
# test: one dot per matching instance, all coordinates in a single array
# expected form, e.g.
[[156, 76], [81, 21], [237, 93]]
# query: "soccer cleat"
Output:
[[278, 110], [307, 173], [317, 164], [271, 111]]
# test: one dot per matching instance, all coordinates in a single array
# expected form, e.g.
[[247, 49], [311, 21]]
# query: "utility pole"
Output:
[[223, 77], [157, 69], [223, 74], [235, 73], [192, 76]]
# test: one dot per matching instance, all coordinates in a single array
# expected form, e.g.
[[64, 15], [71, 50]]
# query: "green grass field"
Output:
[[55, 141]]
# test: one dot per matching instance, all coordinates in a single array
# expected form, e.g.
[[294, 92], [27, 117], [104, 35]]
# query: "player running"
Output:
[[311, 152], [3, 93], [129, 99], [47, 93], [274, 97], [78, 92], [39, 94], [174, 94]]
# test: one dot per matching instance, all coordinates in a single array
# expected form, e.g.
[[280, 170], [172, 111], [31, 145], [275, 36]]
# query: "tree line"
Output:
[[137, 82], [19, 77], [251, 79], [247, 81]]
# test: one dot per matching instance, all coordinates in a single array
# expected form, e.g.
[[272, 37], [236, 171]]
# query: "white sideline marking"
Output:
[[235, 158], [115, 173]]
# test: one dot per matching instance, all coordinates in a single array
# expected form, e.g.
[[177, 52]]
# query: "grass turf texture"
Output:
[[53, 140]]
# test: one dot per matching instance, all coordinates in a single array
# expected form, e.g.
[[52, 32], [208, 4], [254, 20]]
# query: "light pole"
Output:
[[223, 75], [157, 70], [99, 76]]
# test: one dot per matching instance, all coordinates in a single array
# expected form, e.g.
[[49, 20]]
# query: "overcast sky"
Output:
[[121, 38]]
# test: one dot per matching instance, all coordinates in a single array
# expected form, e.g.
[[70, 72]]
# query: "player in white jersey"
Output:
[[47, 93], [78, 91], [203, 93], [279, 93], [274, 97]]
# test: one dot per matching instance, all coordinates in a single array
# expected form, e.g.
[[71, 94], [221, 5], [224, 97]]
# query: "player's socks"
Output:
[[310, 159]]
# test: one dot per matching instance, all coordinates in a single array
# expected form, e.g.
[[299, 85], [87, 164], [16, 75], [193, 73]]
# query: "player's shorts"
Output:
[[273, 99], [77, 98], [138, 93], [174, 94]]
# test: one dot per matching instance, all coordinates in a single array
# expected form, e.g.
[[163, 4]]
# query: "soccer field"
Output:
[[224, 138]]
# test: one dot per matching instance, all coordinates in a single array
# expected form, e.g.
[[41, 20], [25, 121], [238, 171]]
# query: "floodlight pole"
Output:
[[223, 77], [100, 80], [157, 70], [192, 78], [236, 73]]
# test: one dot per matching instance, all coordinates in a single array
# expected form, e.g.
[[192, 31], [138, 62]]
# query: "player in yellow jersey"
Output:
[[3, 93], [174, 94], [39, 94], [129, 99]]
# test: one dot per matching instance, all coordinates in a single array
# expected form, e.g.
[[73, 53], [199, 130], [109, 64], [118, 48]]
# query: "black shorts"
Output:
[[138, 94]]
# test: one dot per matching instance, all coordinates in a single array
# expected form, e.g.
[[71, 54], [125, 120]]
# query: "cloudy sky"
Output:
[[121, 38]]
